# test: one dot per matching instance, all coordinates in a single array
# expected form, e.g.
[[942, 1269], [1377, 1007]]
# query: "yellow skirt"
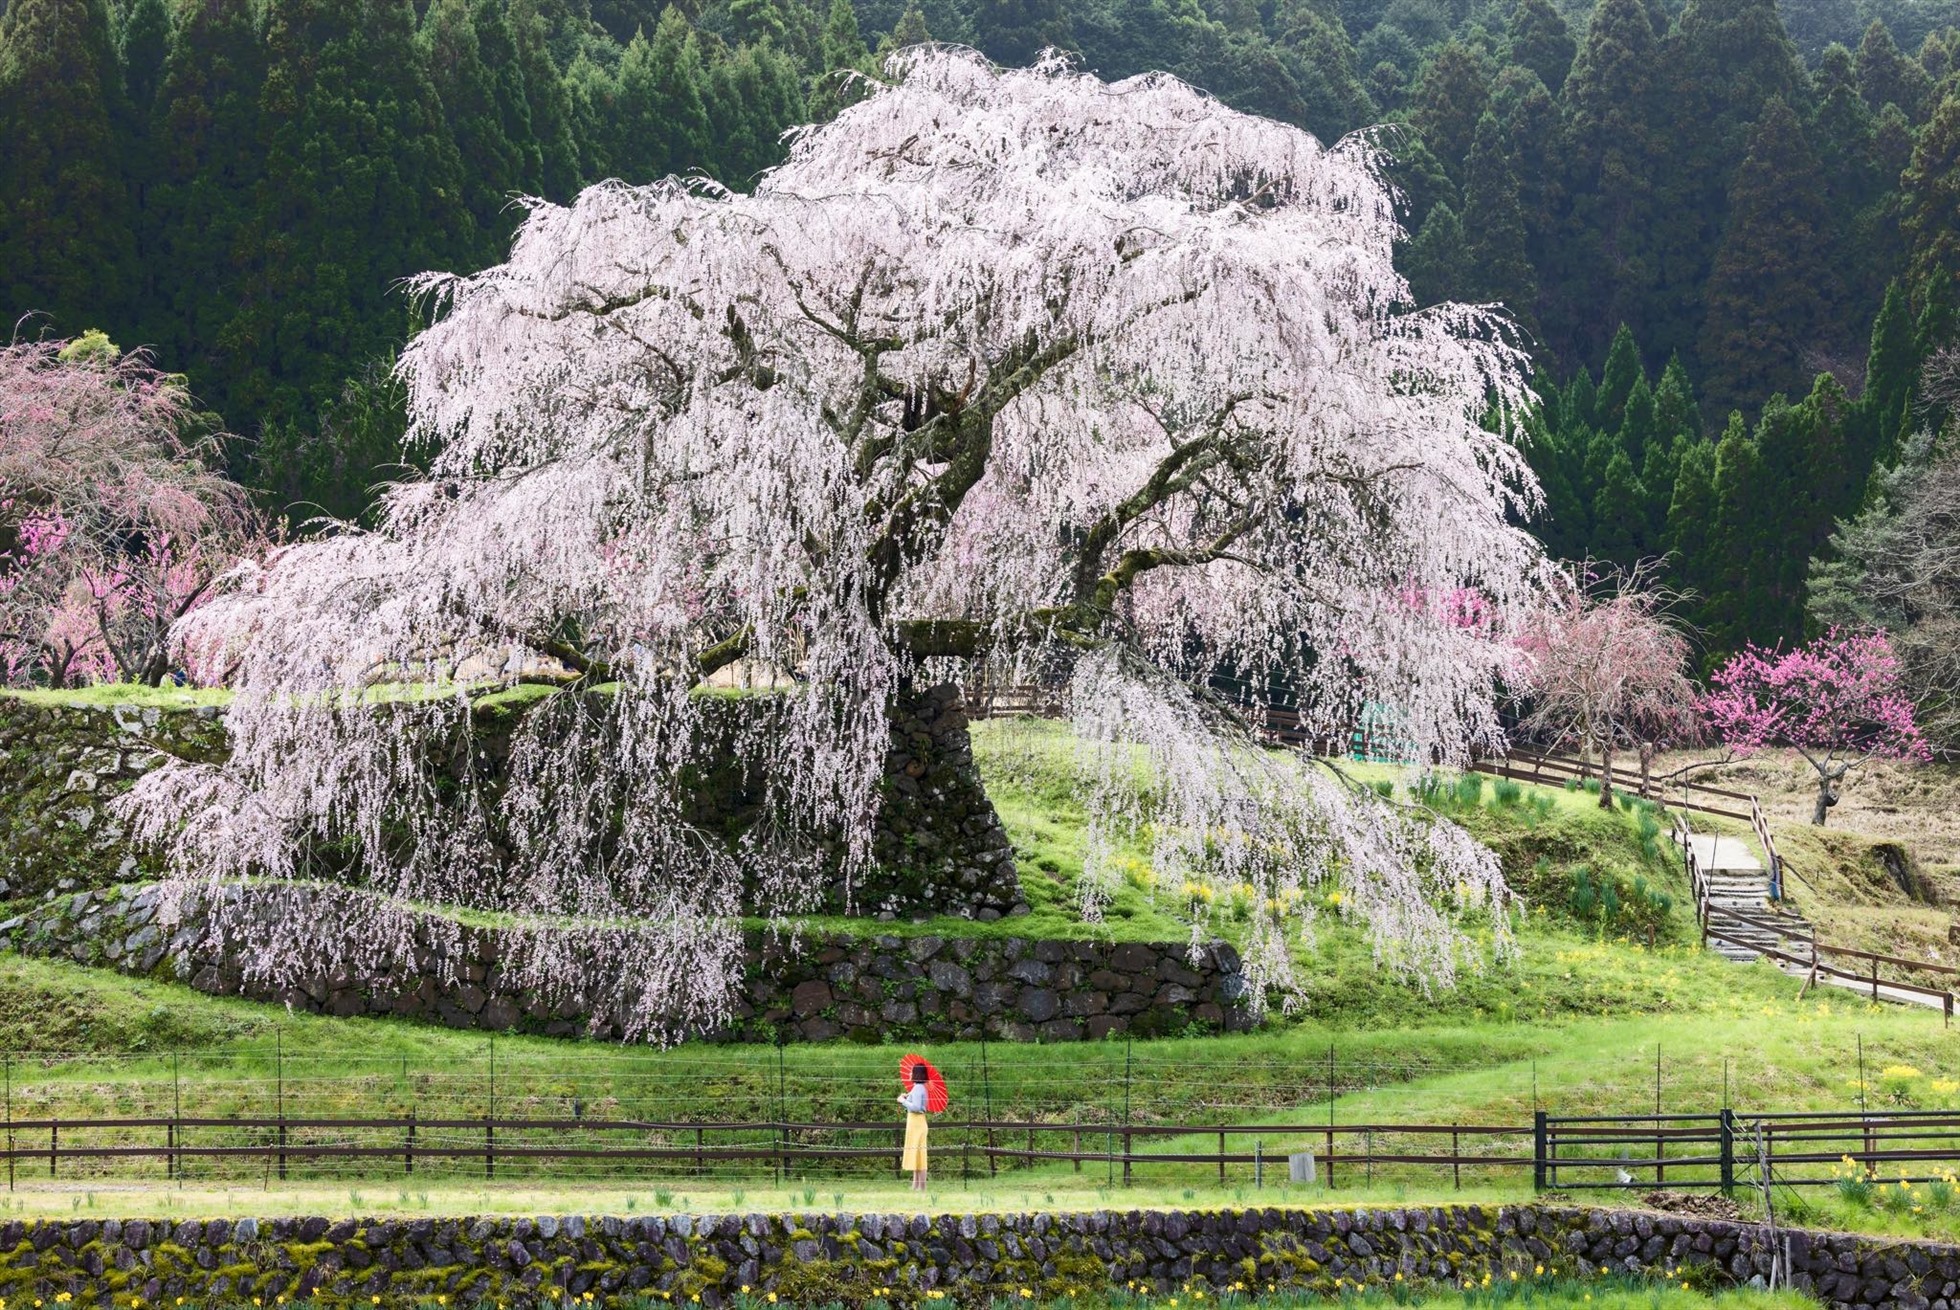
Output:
[[914, 1158]]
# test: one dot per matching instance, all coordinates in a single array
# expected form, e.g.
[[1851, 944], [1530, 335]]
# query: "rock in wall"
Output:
[[816, 989], [906, 1260], [939, 849]]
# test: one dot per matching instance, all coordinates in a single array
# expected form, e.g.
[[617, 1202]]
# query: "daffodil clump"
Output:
[[1859, 1185]]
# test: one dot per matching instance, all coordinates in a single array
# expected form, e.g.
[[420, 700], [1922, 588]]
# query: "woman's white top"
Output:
[[915, 1099]]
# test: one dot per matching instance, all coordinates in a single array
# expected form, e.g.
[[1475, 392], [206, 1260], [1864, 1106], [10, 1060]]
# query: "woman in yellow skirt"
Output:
[[914, 1101]]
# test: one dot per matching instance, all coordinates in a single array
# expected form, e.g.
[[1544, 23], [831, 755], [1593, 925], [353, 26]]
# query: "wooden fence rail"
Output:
[[1563, 1152]]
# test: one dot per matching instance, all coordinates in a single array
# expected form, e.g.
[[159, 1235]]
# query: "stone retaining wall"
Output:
[[939, 847], [869, 989], [812, 1259]]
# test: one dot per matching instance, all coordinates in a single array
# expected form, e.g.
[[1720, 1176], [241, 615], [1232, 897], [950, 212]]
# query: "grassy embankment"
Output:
[[1572, 1023]]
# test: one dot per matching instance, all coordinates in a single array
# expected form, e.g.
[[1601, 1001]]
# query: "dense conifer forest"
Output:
[[1730, 230]]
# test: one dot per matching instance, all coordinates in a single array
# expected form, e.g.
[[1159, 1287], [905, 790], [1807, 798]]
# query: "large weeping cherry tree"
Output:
[[1000, 371]]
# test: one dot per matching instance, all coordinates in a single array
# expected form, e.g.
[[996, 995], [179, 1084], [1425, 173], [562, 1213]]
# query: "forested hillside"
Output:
[[1730, 232]]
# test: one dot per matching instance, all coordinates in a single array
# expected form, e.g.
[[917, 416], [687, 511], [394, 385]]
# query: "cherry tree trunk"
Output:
[[1826, 798]]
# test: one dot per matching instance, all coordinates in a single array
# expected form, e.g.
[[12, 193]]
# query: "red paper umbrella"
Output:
[[936, 1096]]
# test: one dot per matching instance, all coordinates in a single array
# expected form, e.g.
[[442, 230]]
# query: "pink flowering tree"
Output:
[[1001, 370], [1605, 670], [1836, 701], [113, 521]]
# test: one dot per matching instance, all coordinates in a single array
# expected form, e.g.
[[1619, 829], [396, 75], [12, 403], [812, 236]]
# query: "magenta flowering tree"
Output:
[[114, 522], [1836, 701]]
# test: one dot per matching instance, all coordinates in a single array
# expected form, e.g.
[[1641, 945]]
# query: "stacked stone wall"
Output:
[[816, 1259], [819, 988], [939, 848]]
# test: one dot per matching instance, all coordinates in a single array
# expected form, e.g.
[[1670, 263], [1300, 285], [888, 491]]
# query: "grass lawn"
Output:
[[382, 1196], [109, 694], [1607, 1007]]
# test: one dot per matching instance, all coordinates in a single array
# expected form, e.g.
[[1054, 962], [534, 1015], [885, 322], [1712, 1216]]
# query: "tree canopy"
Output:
[[1000, 368]]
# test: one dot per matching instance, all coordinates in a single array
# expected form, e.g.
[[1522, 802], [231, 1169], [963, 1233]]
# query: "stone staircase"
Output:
[[1733, 901]]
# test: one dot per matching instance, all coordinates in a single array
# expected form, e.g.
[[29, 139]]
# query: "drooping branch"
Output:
[[1060, 394]]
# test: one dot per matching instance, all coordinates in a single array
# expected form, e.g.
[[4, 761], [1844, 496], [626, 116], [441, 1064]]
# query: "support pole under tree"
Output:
[[1728, 1150], [176, 1115], [1330, 1116], [987, 1090], [782, 1113], [1128, 1140], [490, 1117], [279, 1083]]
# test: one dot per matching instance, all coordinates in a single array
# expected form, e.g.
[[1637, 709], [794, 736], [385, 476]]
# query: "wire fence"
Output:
[[1699, 1150], [1091, 1083], [1232, 1113]]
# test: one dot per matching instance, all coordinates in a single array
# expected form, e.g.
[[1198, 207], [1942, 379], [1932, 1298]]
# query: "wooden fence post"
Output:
[[1728, 1151]]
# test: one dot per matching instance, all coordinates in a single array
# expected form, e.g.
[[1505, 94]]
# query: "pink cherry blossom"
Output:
[[113, 522], [1605, 670], [1003, 375], [1836, 700]]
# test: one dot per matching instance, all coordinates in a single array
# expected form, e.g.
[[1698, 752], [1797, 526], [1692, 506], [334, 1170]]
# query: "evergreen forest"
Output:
[[1729, 229]]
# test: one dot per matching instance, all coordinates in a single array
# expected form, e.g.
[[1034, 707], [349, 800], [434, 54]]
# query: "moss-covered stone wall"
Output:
[[59, 769], [813, 1259], [939, 848], [819, 988]]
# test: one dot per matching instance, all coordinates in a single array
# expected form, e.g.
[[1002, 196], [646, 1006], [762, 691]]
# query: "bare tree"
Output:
[[1897, 568]]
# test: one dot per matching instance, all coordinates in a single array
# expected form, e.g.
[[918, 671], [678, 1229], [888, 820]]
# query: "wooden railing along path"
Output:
[[1791, 942], [1723, 924]]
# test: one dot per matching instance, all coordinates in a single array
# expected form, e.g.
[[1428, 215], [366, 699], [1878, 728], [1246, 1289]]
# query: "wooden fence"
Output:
[[1563, 1153], [1813, 1149], [1792, 943], [481, 1147]]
